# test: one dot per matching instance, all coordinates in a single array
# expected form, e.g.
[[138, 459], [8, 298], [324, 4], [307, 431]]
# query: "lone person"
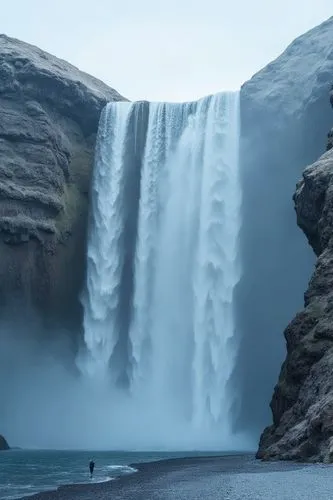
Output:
[[91, 468]]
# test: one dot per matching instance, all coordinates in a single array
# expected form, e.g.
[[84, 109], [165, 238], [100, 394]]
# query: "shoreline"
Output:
[[169, 476], [142, 469]]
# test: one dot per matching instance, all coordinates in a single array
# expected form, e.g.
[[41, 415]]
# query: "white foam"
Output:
[[125, 469]]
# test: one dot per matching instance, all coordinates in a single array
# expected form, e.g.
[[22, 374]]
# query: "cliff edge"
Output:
[[302, 403], [49, 117]]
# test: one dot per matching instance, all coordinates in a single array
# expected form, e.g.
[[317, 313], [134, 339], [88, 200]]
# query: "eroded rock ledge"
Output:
[[49, 117], [302, 403]]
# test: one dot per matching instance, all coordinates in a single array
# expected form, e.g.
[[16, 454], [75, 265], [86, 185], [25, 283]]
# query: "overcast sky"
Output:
[[164, 50]]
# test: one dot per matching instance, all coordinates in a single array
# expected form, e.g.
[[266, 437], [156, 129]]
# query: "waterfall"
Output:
[[162, 258]]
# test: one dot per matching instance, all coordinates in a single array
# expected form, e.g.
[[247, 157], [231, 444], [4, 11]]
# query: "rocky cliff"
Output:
[[49, 117], [285, 120], [3, 444], [302, 403]]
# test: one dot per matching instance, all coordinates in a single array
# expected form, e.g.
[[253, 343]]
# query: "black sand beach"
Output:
[[211, 478]]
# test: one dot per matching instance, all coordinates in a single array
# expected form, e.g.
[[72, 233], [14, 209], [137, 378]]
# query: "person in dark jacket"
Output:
[[91, 467]]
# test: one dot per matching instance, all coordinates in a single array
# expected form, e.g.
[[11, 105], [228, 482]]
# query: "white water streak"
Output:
[[105, 259]]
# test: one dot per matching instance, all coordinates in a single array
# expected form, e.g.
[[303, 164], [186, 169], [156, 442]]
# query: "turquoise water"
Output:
[[24, 472]]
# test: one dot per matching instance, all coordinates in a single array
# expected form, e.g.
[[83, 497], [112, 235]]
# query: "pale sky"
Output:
[[171, 50]]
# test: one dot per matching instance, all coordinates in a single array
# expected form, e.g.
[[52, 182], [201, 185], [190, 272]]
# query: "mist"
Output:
[[47, 404]]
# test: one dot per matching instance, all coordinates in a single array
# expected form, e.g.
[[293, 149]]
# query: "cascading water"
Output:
[[162, 263]]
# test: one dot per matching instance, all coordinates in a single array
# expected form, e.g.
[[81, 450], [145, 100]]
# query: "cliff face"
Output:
[[302, 403], [285, 117], [49, 117]]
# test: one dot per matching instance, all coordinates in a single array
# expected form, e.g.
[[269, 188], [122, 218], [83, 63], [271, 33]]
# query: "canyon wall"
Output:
[[285, 120], [302, 403], [49, 118]]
